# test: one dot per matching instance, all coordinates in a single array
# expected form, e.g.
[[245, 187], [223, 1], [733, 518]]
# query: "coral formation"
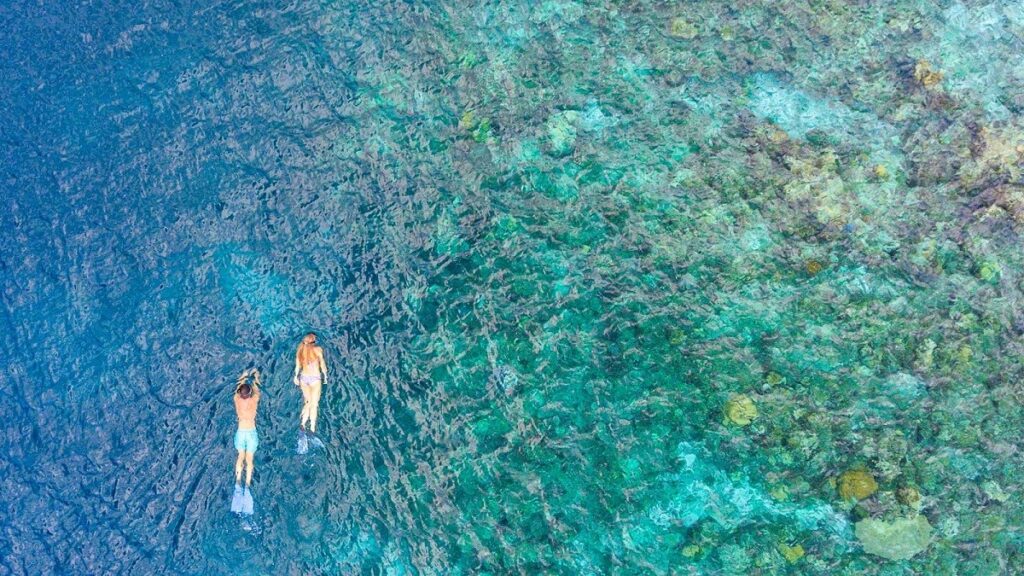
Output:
[[682, 28], [740, 410], [792, 554], [856, 484], [899, 539], [909, 496], [926, 75], [561, 132]]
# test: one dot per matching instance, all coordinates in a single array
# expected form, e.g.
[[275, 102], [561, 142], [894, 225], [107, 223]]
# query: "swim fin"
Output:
[[303, 445], [314, 441], [247, 502], [236, 499]]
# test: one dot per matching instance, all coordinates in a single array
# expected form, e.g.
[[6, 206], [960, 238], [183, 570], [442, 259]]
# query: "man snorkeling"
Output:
[[247, 400]]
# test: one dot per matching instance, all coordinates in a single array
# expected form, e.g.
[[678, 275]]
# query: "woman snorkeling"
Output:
[[310, 375]]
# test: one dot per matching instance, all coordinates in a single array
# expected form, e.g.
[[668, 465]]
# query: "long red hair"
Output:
[[307, 349]]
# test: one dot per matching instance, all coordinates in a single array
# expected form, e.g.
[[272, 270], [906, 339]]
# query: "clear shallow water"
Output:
[[545, 245]]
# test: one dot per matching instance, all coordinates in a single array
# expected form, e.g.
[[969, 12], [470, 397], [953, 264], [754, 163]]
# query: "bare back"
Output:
[[245, 408]]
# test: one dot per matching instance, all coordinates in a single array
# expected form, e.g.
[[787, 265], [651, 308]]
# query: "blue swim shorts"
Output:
[[246, 440]]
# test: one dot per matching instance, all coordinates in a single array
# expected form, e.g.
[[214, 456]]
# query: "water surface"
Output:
[[551, 248]]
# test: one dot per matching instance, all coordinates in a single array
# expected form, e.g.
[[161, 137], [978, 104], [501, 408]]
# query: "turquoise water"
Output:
[[605, 288]]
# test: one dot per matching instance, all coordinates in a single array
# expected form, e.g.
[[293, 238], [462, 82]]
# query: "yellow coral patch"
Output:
[[924, 74], [740, 410], [791, 553], [858, 484]]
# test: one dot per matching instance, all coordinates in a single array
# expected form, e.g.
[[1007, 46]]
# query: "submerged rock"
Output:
[[897, 540], [856, 484], [702, 491], [925, 356], [504, 378], [1011, 198], [801, 113], [994, 491], [740, 410], [682, 28], [561, 132], [595, 119], [734, 559], [903, 389], [909, 496]]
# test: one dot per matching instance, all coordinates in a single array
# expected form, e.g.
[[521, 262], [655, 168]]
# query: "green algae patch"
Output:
[[478, 128], [989, 271], [900, 539]]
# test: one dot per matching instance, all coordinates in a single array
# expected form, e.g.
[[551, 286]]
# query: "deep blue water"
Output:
[[184, 193]]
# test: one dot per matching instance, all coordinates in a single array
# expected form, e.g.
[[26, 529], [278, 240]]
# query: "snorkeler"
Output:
[[247, 400], [310, 375]]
